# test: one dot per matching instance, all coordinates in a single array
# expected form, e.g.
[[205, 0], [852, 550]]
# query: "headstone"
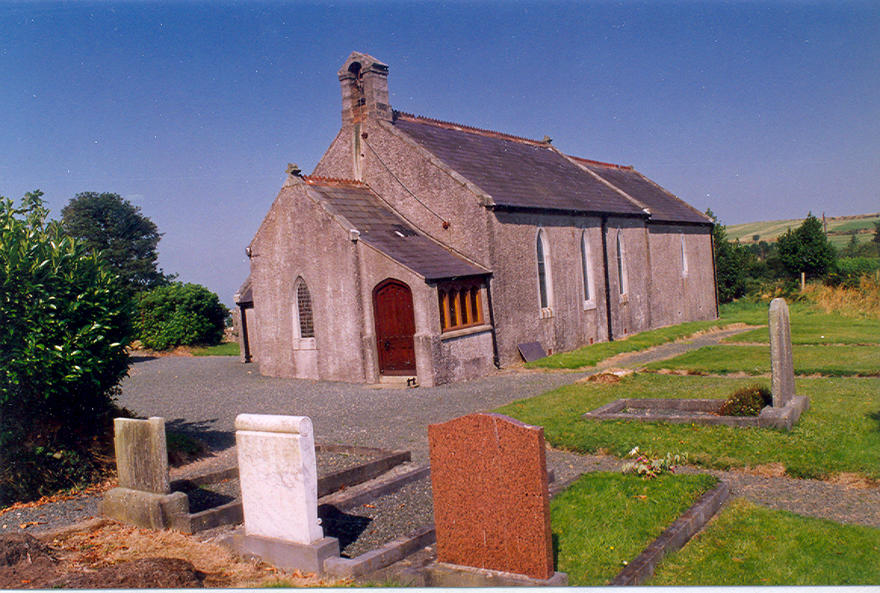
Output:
[[141, 454], [279, 477], [491, 502], [781, 364], [531, 351], [144, 496]]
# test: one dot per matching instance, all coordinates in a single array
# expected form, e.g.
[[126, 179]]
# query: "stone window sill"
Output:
[[304, 344], [546, 313], [589, 305], [465, 331]]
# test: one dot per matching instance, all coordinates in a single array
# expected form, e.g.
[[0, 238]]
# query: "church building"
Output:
[[433, 250]]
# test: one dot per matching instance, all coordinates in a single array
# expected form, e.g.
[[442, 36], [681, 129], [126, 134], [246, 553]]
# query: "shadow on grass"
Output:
[[876, 417]]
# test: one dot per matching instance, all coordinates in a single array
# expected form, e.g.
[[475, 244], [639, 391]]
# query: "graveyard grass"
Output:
[[833, 361], [224, 349], [748, 313], [811, 326], [749, 545], [839, 433], [606, 519]]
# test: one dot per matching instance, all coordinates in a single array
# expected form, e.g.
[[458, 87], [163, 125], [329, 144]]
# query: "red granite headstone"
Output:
[[491, 504]]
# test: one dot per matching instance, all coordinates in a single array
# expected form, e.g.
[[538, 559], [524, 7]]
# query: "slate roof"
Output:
[[383, 229], [515, 172], [664, 206], [518, 172]]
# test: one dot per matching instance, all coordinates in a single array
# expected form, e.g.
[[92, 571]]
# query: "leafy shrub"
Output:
[[849, 271], [747, 401], [649, 465], [180, 315], [64, 326]]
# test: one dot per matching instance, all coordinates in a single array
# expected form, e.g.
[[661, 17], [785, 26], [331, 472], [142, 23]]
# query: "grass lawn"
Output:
[[810, 326], [604, 519], [839, 433], [224, 349], [836, 361], [748, 313], [748, 545]]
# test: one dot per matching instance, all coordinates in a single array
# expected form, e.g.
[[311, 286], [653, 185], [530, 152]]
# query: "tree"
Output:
[[64, 327], [731, 260], [806, 249], [116, 229], [876, 238], [180, 315]]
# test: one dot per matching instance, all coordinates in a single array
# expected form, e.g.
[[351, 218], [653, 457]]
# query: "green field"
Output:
[[839, 229], [830, 361]]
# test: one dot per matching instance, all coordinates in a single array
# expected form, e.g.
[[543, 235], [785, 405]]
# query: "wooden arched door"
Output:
[[395, 328]]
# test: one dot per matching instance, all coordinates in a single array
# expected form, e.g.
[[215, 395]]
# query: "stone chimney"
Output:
[[364, 82]]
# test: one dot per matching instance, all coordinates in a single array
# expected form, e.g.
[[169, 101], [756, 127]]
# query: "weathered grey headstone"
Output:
[[141, 454], [781, 364], [144, 496]]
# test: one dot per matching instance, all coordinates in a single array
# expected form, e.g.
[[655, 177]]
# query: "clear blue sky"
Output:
[[191, 110]]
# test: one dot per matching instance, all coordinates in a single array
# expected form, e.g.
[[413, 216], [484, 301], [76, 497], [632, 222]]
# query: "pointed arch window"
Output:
[[622, 282], [587, 272], [545, 284], [303, 322]]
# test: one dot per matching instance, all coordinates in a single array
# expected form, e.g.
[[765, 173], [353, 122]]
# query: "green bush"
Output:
[[849, 270], [747, 401], [64, 327], [180, 315]]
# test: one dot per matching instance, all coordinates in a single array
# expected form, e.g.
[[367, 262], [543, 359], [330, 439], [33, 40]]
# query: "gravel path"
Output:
[[203, 395]]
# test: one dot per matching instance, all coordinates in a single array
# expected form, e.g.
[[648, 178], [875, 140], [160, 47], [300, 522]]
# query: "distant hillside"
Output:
[[840, 228]]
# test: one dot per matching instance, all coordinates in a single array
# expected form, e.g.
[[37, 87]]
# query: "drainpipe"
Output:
[[714, 272], [496, 359], [607, 285]]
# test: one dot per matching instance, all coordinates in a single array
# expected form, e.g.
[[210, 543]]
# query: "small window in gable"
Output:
[[587, 272], [621, 264], [304, 324], [684, 258], [460, 304]]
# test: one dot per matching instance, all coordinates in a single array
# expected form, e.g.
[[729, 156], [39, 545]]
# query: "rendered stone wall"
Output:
[[298, 238], [678, 297]]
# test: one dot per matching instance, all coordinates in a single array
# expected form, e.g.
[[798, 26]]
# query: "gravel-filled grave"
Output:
[[206, 496], [373, 524]]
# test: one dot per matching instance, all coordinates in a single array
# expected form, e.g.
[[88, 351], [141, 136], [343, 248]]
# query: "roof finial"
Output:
[[547, 139], [294, 170]]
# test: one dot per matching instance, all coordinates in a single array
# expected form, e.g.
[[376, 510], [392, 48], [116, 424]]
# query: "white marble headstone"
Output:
[[279, 478]]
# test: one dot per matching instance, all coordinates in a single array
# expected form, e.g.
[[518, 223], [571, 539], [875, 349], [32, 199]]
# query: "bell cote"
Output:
[[364, 82]]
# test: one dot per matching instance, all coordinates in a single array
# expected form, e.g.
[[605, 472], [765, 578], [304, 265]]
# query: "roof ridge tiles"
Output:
[[321, 180], [601, 163], [467, 128]]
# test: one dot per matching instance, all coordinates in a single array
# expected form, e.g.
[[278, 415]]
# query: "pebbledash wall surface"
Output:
[[432, 249]]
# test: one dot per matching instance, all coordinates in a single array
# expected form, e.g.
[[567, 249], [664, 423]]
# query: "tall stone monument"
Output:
[[144, 496], [781, 363], [279, 490], [491, 502], [787, 407]]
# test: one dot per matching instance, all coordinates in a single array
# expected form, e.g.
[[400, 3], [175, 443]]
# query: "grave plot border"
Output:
[[231, 512], [673, 537], [770, 417]]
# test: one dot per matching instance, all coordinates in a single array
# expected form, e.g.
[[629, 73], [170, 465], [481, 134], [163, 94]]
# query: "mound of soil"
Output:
[[28, 563], [146, 573]]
